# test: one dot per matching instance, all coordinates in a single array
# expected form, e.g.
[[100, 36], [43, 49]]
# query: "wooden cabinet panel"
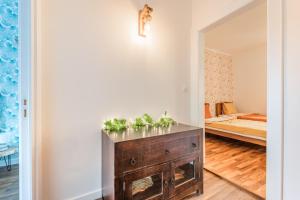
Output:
[[149, 183], [186, 173]]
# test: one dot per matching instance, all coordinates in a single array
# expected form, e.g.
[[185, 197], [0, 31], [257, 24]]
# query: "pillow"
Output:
[[219, 110], [207, 111], [229, 108]]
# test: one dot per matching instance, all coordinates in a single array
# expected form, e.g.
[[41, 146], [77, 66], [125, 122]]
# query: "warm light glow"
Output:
[[144, 20], [147, 27], [143, 42]]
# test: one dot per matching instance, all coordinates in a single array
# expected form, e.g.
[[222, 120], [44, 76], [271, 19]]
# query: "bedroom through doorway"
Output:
[[235, 60]]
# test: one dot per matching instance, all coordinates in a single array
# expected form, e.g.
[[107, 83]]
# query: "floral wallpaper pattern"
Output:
[[9, 71], [219, 85]]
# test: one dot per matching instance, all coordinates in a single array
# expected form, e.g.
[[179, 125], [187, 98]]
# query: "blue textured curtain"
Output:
[[9, 72]]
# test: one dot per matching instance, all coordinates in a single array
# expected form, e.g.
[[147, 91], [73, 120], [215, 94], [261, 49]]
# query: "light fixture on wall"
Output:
[[144, 20]]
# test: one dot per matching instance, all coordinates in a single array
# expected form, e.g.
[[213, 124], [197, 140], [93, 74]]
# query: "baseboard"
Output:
[[97, 194]]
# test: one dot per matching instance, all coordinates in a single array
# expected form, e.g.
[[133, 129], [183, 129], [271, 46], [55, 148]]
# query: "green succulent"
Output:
[[165, 121], [138, 123], [119, 125], [115, 125], [148, 120]]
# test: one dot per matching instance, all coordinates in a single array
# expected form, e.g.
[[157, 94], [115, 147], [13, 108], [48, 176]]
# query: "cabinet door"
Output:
[[186, 176], [149, 183]]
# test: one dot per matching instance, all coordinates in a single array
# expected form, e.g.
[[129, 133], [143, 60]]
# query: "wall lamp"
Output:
[[144, 20]]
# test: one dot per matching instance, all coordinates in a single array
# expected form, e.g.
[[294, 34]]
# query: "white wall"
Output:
[[231, 34], [291, 100], [250, 79], [207, 12], [95, 67]]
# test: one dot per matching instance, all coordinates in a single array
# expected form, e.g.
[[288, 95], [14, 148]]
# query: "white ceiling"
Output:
[[243, 30]]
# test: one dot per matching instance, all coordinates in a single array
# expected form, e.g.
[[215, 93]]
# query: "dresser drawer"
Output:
[[132, 159], [128, 156], [133, 155], [159, 152]]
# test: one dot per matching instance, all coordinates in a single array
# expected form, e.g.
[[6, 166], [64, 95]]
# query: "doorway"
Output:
[[275, 66], [15, 134], [236, 99]]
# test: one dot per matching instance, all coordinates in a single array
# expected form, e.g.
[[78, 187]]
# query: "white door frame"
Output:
[[275, 73], [275, 100], [25, 145], [35, 75]]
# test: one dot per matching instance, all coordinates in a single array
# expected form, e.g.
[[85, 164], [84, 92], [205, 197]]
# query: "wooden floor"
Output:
[[216, 188], [241, 163], [9, 183]]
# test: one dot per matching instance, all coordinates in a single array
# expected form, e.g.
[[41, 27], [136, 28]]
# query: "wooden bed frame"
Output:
[[219, 111], [236, 137]]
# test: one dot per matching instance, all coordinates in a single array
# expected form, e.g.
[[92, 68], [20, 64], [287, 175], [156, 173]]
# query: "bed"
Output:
[[240, 126]]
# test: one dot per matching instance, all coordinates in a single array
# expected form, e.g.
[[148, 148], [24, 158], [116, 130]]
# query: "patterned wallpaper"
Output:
[[9, 72], [219, 85]]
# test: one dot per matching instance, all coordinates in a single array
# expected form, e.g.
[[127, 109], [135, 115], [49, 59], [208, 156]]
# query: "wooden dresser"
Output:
[[152, 163]]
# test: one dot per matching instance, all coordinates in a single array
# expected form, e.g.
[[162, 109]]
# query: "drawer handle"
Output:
[[166, 183], [194, 145], [173, 181], [167, 151], [133, 161]]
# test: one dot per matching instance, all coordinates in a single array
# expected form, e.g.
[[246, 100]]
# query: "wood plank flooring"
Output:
[[9, 183], [242, 164], [216, 188]]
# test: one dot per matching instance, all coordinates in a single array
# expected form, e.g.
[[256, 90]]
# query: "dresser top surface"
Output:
[[131, 134]]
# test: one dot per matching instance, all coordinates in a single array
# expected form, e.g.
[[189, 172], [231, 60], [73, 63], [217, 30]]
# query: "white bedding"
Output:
[[258, 125], [224, 118]]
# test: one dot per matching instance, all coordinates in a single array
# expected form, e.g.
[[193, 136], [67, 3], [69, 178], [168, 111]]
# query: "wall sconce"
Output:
[[144, 20]]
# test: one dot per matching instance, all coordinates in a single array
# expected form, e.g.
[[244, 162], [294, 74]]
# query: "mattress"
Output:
[[247, 128]]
